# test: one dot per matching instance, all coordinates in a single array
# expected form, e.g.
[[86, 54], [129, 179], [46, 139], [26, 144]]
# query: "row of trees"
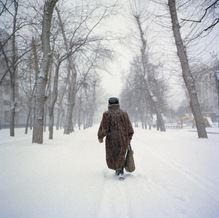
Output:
[[54, 54], [148, 89], [56, 51]]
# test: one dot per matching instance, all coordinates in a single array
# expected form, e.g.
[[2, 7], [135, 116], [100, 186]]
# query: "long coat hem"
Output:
[[117, 128]]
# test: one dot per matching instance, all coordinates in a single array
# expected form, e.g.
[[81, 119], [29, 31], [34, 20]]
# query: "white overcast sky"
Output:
[[162, 47]]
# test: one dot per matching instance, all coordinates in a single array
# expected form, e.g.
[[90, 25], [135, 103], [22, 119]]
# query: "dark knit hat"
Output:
[[113, 100]]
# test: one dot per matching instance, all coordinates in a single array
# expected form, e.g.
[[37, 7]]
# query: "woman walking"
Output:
[[117, 128]]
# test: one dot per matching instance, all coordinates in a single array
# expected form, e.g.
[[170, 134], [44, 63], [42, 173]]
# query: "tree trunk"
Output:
[[151, 95], [43, 73], [54, 96], [28, 115], [59, 112], [79, 112], [58, 118], [187, 76], [51, 121], [92, 107], [68, 128], [30, 100], [13, 74], [72, 76], [12, 108]]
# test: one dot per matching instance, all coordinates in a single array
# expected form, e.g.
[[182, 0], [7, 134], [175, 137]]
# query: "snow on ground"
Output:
[[176, 176]]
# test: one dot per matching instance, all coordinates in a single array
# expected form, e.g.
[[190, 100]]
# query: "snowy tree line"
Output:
[[53, 52], [56, 58], [149, 89]]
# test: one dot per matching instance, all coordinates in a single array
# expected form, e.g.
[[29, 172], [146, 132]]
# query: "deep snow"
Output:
[[176, 176]]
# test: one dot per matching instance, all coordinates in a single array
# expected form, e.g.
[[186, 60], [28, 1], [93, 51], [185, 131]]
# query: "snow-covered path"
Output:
[[176, 176]]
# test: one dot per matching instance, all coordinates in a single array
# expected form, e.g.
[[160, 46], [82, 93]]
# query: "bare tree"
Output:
[[29, 68], [43, 73], [10, 57], [77, 41], [71, 77], [59, 58], [186, 72], [53, 97], [135, 96], [14, 23], [137, 13], [208, 16], [87, 89]]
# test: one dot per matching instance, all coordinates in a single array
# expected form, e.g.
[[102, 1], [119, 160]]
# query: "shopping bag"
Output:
[[130, 162]]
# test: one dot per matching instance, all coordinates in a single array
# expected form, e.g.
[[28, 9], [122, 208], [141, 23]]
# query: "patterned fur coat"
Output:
[[117, 128]]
